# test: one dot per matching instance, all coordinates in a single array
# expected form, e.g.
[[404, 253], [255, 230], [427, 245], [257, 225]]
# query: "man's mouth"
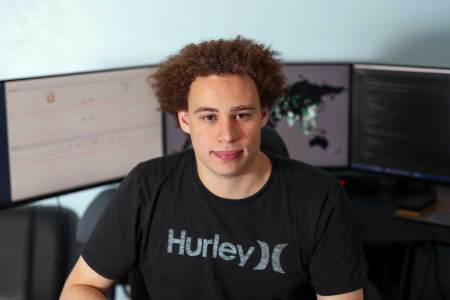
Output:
[[227, 155]]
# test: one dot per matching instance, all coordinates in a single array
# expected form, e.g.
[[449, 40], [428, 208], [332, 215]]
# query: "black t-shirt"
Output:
[[295, 233]]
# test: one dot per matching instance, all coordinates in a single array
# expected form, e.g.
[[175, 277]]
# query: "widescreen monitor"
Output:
[[401, 121], [67, 132], [312, 117]]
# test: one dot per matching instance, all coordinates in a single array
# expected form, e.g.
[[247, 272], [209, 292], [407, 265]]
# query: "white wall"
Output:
[[53, 36]]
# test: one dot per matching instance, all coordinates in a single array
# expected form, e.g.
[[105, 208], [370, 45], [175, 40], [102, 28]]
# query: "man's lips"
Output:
[[227, 155]]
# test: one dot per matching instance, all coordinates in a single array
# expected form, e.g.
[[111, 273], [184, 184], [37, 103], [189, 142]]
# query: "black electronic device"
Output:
[[416, 205], [401, 121], [67, 132]]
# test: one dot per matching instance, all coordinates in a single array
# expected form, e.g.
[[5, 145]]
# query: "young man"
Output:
[[224, 221]]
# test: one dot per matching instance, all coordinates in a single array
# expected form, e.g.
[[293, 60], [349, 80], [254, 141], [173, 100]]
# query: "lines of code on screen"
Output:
[[401, 121]]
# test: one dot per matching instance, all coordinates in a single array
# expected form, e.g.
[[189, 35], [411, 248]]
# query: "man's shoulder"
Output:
[[164, 165], [302, 172]]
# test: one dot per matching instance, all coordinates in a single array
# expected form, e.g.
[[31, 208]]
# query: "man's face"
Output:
[[224, 120]]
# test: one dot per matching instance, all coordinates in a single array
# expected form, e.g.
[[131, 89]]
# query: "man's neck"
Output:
[[240, 186]]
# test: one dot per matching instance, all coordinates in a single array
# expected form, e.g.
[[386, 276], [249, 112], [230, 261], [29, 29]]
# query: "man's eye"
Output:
[[209, 118], [242, 116]]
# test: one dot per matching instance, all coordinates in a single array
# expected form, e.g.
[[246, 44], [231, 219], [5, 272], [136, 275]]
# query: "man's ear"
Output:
[[183, 119], [264, 116]]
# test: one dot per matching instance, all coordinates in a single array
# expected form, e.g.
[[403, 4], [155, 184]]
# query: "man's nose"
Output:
[[228, 131]]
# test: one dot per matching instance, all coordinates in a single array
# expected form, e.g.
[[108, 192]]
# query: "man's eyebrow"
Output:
[[233, 109], [242, 107], [203, 109]]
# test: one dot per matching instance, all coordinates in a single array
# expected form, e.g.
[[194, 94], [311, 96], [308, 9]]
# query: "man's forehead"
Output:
[[223, 93], [223, 84]]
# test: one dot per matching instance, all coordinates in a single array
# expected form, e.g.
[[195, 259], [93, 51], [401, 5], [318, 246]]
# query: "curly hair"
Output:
[[240, 56]]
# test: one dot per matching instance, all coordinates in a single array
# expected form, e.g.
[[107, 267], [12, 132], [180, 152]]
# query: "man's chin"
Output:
[[227, 172]]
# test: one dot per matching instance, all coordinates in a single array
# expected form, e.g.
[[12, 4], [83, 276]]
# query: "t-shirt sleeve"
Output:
[[337, 264], [111, 249]]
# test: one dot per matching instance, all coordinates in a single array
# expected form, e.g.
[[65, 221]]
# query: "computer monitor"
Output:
[[68, 132], [175, 138], [401, 121], [312, 118]]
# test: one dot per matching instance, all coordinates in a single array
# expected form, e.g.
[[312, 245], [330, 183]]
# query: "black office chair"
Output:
[[38, 250]]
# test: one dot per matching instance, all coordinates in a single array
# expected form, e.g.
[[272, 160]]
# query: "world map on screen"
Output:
[[300, 105]]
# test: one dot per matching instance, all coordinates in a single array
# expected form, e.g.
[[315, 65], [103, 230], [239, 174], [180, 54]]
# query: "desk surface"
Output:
[[378, 224]]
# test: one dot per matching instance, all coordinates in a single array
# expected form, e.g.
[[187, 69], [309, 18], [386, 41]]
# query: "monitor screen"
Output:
[[175, 138], [401, 121], [67, 132], [312, 118]]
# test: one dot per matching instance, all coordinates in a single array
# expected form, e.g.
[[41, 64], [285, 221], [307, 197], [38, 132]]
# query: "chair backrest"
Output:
[[91, 215], [37, 251], [271, 141]]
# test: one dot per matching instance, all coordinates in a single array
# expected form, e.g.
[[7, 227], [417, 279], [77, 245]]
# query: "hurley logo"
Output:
[[225, 250]]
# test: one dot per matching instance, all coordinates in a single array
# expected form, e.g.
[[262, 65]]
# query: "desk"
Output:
[[377, 223], [378, 226]]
